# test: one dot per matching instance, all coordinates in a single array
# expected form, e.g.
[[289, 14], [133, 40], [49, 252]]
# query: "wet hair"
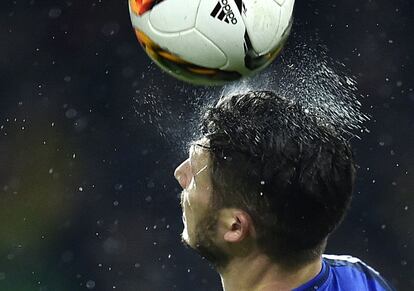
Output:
[[293, 174]]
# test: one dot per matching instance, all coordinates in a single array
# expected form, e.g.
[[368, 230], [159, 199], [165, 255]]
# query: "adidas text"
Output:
[[222, 11]]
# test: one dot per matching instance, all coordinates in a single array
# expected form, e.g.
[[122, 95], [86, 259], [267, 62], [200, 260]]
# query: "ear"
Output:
[[238, 225]]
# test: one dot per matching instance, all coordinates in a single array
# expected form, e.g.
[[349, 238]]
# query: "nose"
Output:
[[181, 173]]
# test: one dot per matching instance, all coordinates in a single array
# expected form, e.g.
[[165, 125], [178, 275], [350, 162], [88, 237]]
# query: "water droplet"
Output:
[[110, 29], [119, 187], [55, 12], [71, 113], [90, 284], [150, 184]]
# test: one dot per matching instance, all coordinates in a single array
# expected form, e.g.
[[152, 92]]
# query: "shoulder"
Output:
[[347, 268]]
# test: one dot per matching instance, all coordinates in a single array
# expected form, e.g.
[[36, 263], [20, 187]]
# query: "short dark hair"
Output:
[[293, 174]]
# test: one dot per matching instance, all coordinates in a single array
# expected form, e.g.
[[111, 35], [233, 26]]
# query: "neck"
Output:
[[258, 273]]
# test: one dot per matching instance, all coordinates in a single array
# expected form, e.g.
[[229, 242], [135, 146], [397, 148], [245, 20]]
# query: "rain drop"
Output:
[[55, 12], [90, 284]]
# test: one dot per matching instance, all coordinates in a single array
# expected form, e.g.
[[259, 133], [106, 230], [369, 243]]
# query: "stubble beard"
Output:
[[202, 241]]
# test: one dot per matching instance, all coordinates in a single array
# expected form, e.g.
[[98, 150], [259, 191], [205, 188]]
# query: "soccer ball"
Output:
[[212, 42]]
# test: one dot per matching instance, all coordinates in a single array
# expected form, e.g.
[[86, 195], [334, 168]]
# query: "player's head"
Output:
[[265, 176]]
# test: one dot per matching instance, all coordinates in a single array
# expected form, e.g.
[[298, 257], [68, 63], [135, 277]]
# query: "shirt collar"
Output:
[[318, 281]]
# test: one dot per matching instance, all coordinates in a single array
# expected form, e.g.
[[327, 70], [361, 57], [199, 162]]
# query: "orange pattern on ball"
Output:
[[139, 7]]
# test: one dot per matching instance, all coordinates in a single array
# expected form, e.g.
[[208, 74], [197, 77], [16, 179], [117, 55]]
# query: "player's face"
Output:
[[199, 217], [193, 176]]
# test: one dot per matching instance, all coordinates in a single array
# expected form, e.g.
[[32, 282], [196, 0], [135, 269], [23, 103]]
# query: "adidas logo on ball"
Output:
[[223, 12]]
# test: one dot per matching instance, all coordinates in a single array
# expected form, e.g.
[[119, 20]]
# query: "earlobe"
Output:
[[234, 234]]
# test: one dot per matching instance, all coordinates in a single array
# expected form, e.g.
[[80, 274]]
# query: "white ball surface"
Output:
[[212, 41]]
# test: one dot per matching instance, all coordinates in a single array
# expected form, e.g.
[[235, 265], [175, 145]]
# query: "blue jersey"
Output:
[[345, 273]]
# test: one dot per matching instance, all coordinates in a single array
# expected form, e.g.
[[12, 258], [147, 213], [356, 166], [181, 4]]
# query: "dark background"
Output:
[[87, 196]]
